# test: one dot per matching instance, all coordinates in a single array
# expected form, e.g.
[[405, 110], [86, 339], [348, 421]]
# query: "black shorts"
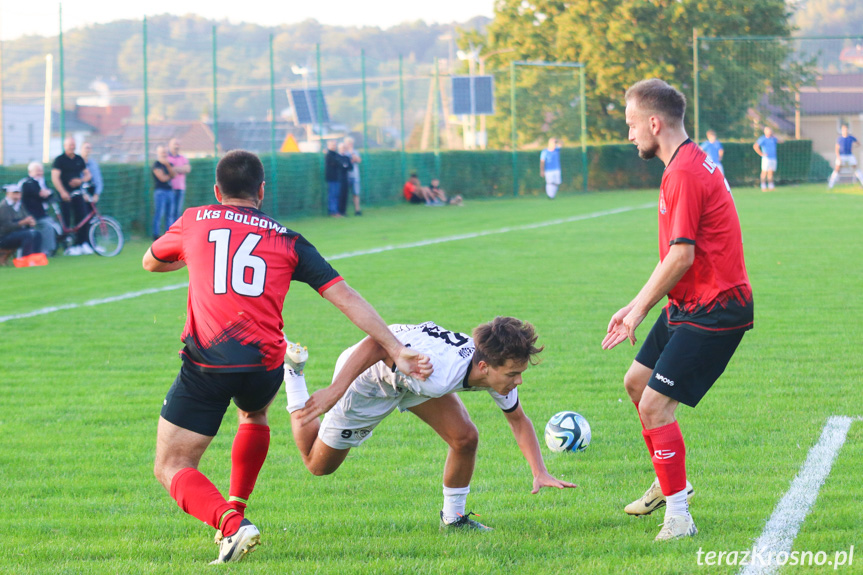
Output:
[[197, 401], [685, 362], [416, 199]]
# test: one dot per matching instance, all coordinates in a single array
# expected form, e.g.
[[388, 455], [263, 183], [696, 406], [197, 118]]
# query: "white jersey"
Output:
[[450, 352]]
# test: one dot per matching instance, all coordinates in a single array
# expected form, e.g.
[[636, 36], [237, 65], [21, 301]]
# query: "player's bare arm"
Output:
[[367, 353], [151, 264], [664, 277], [364, 316], [525, 437]]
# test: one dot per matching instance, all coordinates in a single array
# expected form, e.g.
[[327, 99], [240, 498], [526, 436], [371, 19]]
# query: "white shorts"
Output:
[[552, 177], [768, 164], [352, 420], [846, 160]]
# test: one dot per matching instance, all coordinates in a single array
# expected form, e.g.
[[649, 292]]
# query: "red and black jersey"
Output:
[[696, 207], [241, 263]]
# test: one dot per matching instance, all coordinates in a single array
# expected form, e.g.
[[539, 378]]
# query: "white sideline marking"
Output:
[[784, 524], [94, 302]]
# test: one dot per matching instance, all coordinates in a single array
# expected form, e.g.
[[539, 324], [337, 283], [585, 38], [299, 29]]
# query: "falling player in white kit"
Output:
[[366, 388]]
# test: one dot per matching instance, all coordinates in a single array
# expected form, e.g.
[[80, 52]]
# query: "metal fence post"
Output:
[[695, 82], [514, 141], [583, 111]]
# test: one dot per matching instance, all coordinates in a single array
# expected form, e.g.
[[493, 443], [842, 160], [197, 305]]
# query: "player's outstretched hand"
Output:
[[617, 331], [546, 480], [318, 404], [415, 364]]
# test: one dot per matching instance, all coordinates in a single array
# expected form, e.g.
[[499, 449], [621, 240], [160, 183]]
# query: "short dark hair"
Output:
[[240, 174], [654, 96], [414, 175], [505, 338]]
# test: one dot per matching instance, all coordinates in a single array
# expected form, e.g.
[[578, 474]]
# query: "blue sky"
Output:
[[40, 16]]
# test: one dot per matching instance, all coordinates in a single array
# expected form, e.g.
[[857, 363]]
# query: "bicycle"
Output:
[[104, 233]]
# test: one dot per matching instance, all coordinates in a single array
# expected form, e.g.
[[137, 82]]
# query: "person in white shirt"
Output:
[[366, 388]]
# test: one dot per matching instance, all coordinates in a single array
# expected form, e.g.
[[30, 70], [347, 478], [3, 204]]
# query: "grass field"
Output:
[[82, 388]]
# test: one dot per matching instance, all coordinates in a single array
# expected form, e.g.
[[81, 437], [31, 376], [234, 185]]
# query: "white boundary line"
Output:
[[782, 527], [94, 302]]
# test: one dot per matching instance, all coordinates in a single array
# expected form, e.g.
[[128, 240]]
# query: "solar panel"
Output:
[[473, 95], [305, 105]]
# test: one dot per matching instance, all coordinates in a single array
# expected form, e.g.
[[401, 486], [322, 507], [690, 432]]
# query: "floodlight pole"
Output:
[[1, 102], [146, 101], [62, 83], [215, 100], [365, 104], [402, 118], [273, 171], [320, 109], [435, 120]]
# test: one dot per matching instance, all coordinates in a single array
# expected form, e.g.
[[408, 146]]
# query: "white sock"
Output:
[[833, 177], [454, 501], [676, 504], [551, 190], [295, 387]]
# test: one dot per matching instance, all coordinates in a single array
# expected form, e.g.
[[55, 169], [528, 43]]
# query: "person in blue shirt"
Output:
[[549, 167], [766, 148], [714, 150], [97, 185], [845, 156]]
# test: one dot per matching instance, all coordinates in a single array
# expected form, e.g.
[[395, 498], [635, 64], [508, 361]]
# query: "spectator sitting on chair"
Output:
[[415, 193], [16, 227], [440, 195], [845, 156], [34, 194], [68, 173]]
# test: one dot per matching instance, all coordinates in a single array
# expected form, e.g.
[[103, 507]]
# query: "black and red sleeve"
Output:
[[312, 268]]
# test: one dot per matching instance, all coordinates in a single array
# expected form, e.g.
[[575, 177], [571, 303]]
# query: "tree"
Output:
[[623, 41]]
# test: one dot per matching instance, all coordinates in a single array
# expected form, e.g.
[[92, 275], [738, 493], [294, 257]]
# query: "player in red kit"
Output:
[[241, 263], [701, 270]]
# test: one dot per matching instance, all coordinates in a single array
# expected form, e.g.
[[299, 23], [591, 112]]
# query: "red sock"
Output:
[[669, 458], [644, 433], [198, 497], [247, 457]]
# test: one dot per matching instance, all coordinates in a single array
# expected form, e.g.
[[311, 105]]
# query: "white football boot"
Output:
[[296, 356], [653, 499], [238, 545], [677, 526]]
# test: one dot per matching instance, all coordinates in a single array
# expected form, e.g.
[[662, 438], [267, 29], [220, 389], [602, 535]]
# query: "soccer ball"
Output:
[[567, 431]]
